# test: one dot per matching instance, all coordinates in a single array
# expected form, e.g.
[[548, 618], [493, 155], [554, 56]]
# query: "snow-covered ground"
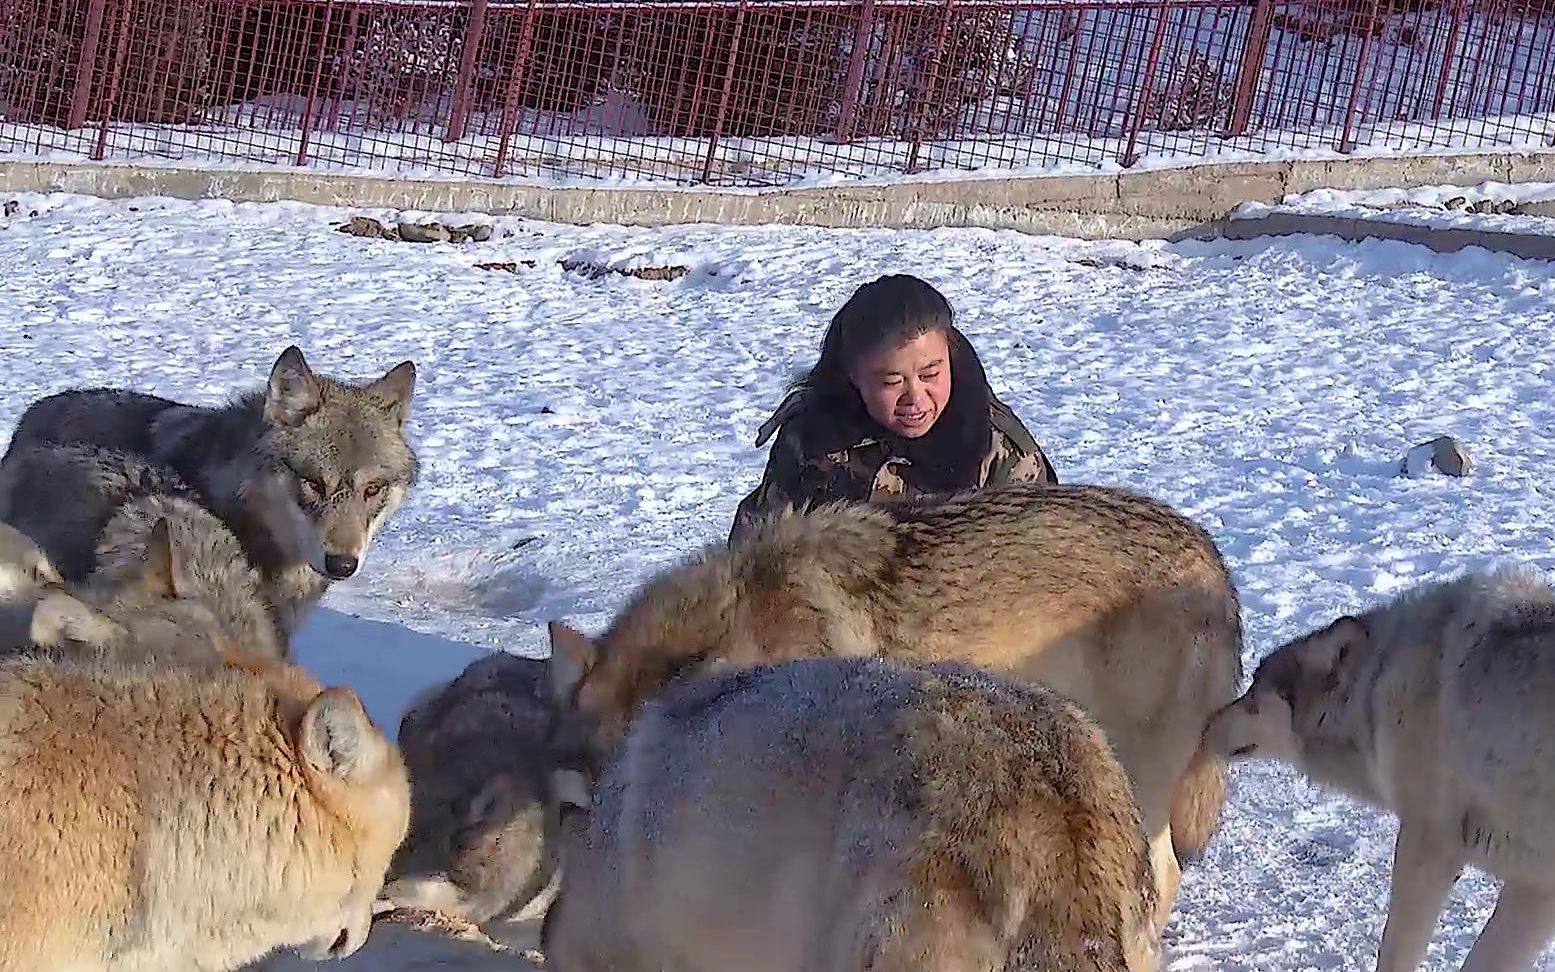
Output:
[[578, 432]]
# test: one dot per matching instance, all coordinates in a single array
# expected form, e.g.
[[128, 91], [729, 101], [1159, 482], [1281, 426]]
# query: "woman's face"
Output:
[[906, 387]]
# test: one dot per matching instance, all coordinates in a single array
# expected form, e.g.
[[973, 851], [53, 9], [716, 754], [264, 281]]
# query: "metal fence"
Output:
[[765, 92]]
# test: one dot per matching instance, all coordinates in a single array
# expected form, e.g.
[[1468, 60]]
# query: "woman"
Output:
[[876, 418]]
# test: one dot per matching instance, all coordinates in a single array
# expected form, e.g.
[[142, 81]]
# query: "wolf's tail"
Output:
[[1200, 797], [1197, 805]]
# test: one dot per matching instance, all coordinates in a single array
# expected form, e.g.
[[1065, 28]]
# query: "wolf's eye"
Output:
[[310, 488], [372, 489]]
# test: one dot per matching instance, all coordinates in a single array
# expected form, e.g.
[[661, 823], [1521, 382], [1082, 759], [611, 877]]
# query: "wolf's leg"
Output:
[[1168, 874], [1517, 931], [1424, 871]]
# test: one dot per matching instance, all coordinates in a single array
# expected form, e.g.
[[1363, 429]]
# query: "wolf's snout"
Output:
[[340, 566]]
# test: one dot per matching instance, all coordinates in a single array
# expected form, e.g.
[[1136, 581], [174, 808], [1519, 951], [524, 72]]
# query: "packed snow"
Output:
[[579, 431]]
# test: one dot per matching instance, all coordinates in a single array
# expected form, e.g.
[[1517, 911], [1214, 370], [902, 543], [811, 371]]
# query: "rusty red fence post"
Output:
[[515, 84], [86, 64], [728, 87], [853, 81], [930, 89], [1254, 49], [115, 77], [474, 35], [1137, 116], [313, 85], [1347, 140], [1449, 58]]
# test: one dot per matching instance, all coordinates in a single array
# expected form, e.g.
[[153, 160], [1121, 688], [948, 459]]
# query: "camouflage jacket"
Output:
[[867, 471]]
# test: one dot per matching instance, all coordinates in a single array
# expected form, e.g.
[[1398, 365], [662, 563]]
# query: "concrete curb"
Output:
[[1354, 229], [1158, 203]]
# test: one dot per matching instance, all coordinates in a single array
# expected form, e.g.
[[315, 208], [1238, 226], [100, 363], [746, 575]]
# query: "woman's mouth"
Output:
[[912, 420]]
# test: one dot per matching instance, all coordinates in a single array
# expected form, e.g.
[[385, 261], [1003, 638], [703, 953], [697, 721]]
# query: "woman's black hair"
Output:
[[889, 312]]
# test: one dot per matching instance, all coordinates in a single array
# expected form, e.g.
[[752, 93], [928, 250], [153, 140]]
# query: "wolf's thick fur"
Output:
[[160, 818], [1439, 707], [476, 752], [304, 472], [849, 814], [1111, 598]]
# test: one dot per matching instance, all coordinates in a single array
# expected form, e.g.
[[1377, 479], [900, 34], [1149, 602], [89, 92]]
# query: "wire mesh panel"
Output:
[[764, 92]]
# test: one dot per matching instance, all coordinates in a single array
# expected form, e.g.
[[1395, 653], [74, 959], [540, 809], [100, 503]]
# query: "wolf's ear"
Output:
[[337, 739], [293, 393], [160, 576], [60, 620], [572, 655], [1332, 646], [395, 389]]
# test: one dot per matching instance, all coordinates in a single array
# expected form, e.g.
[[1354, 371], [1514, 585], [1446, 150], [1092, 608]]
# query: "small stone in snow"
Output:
[[470, 233], [366, 226], [424, 233], [1442, 453]]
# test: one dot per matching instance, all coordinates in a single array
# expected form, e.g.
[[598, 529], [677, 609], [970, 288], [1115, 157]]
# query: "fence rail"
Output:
[[765, 92]]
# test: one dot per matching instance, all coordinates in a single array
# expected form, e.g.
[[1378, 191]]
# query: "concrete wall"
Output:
[[1131, 205]]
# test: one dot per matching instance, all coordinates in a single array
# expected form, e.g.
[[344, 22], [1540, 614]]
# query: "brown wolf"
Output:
[[165, 818], [1107, 596], [849, 814]]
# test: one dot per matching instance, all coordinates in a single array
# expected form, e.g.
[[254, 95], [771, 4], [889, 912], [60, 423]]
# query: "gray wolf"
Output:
[[475, 747], [304, 472], [162, 818], [94, 509], [1111, 598], [1438, 707], [849, 814], [138, 616]]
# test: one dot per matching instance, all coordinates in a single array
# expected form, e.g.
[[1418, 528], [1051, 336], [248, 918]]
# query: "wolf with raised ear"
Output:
[[304, 471], [1438, 707]]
